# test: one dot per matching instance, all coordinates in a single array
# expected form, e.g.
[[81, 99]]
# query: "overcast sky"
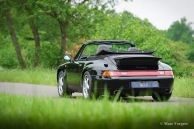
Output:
[[161, 13]]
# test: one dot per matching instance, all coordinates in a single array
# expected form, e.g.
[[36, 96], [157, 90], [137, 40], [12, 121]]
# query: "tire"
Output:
[[87, 85], [161, 97], [62, 85]]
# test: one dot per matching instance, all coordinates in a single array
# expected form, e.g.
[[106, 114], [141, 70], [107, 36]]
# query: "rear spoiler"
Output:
[[154, 58], [103, 52]]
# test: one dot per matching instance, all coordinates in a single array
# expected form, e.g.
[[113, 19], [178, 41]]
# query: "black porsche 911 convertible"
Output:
[[117, 66]]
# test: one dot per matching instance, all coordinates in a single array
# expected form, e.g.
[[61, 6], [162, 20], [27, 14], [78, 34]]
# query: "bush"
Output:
[[8, 57], [50, 55], [191, 55]]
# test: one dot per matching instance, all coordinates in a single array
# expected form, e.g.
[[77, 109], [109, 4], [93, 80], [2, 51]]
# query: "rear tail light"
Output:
[[168, 73], [106, 74], [136, 73]]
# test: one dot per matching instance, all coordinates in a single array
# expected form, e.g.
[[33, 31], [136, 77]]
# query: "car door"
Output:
[[74, 74], [75, 67]]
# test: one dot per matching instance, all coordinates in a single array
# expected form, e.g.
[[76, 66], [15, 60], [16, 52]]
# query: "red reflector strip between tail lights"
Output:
[[136, 73]]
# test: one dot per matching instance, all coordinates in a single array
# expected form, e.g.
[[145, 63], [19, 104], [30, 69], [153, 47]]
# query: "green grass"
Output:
[[183, 87], [34, 76], [56, 113]]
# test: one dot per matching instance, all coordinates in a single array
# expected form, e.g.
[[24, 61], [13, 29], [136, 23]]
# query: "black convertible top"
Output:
[[108, 42]]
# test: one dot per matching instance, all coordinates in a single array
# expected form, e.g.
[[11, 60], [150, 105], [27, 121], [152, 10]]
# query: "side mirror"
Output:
[[68, 58]]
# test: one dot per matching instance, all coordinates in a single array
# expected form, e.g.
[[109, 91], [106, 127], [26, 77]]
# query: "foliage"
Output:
[[50, 55], [7, 56], [190, 54], [181, 31], [67, 13]]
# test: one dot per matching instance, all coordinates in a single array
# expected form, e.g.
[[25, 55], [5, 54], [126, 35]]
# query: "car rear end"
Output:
[[136, 75]]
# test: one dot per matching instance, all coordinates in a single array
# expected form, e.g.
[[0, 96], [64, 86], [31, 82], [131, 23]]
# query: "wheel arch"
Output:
[[60, 68], [90, 70]]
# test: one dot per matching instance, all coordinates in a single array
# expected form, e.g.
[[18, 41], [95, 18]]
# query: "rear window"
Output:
[[94, 49]]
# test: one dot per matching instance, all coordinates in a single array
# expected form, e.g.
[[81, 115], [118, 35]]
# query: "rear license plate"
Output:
[[144, 84]]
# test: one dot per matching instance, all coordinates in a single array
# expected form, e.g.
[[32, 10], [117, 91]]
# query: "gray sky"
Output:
[[161, 13]]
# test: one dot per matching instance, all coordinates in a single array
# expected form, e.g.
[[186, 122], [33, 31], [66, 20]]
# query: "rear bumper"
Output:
[[115, 84]]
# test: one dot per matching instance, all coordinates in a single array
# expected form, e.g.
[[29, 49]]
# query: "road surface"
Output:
[[51, 91]]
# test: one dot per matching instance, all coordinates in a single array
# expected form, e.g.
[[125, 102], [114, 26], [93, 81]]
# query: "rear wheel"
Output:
[[62, 85], [87, 85], [161, 96]]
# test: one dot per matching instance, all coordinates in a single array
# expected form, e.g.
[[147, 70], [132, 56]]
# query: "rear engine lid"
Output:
[[136, 62]]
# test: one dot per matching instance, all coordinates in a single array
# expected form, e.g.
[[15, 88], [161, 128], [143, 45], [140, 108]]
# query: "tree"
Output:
[[29, 7], [6, 12], [67, 11], [181, 31]]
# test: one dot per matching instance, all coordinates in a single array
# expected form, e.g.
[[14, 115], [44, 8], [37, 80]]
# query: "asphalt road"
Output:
[[30, 89], [51, 91]]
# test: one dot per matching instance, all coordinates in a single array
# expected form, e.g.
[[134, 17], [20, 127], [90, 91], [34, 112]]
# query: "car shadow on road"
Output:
[[129, 99], [137, 99]]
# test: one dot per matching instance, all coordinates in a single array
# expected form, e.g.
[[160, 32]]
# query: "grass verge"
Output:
[[54, 113], [33, 76], [184, 87]]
